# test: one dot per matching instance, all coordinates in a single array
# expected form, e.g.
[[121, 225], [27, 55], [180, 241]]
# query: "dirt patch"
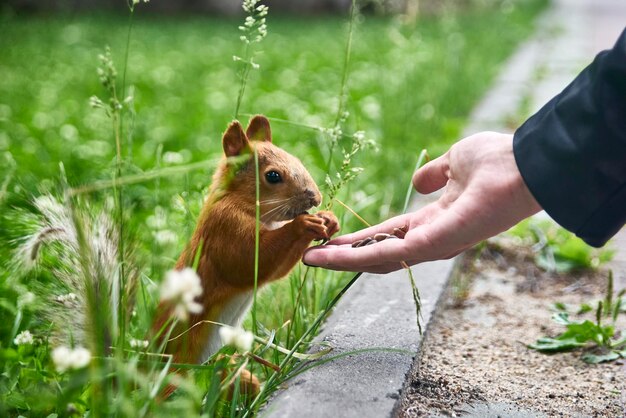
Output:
[[475, 350]]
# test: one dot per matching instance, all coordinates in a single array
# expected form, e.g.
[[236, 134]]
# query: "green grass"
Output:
[[558, 250], [409, 87]]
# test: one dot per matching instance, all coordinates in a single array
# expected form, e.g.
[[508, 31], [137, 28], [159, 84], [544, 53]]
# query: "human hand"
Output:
[[484, 195]]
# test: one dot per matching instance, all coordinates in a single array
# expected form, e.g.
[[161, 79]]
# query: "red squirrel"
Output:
[[225, 236]]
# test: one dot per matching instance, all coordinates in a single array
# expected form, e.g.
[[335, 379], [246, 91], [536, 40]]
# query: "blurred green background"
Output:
[[411, 86]]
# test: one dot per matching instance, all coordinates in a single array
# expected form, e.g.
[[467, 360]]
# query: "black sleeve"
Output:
[[572, 153]]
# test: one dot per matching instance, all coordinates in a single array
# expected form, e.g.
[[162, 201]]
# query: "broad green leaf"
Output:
[[556, 345], [600, 358]]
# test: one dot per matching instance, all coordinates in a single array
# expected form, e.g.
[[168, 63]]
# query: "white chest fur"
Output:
[[274, 224], [232, 314]]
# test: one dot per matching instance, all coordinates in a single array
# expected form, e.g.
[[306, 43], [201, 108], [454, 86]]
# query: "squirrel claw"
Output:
[[330, 221]]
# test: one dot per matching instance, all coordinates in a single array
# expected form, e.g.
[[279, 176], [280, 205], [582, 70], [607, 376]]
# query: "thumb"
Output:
[[433, 175]]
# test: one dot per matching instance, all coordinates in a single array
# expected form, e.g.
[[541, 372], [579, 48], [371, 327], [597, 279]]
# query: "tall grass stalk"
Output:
[[257, 232], [96, 305], [343, 86], [8, 177], [117, 107], [317, 128], [423, 158], [356, 215], [122, 302], [144, 177], [245, 72], [253, 31]]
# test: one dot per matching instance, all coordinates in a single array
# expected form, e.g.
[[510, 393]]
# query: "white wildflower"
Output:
[[134, 343], [95, 102], [61, 356], [65, 358], [171, 157], [249, 22], [262, 10], [81, 357], [24, 338], [182, 287], [237, 337], [359, 136], [158, 220], [165, 236], [249, 5], [69, 300]]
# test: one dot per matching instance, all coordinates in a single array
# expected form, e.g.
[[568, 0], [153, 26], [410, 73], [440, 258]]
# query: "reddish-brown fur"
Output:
[[225, 232]]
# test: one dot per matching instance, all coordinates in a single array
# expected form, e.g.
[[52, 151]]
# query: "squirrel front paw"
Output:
[[330, 221], [310, 227]]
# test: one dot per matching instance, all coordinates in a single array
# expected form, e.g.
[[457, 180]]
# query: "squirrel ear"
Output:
[[259, 129], [234, 140]]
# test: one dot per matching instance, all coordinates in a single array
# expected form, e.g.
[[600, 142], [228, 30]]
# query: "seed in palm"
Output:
[[398, 233]]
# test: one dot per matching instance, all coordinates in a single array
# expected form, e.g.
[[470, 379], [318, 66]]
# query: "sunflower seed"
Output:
[[381, 236]]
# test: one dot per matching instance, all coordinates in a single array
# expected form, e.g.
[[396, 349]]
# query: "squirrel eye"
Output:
[[273, 177]]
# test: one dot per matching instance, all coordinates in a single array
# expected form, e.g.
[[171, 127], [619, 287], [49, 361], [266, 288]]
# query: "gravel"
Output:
[[475, 351]]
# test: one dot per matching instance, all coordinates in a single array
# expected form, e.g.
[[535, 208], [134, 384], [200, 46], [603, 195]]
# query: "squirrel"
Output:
[[224, 239]]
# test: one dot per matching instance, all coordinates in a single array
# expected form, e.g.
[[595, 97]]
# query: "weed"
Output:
[[558, 250], [601, 341]]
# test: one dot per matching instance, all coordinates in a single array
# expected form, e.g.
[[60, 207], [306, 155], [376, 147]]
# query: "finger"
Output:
[[386, 227], [386, 268], [383, 268], [344, 257], [433, 175]]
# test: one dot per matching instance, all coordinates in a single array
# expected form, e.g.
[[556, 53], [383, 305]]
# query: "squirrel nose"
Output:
[[314, 197]]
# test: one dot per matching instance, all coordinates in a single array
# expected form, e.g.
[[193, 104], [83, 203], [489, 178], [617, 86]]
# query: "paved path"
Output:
[[568, 37]]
